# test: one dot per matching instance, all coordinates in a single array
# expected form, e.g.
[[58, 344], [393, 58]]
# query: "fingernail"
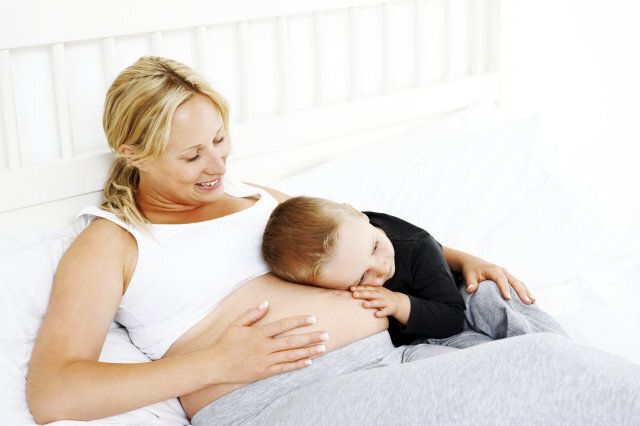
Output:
[[264, 304], [321, 348], [311, 319], [324, 336], [356, 294], [528, 300], [307, 362]]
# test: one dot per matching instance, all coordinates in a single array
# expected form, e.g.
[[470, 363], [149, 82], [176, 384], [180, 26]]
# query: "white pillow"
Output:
[[484, 193], [27, 266]]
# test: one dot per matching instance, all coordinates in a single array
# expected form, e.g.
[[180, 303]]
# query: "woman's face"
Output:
[[191, 170]]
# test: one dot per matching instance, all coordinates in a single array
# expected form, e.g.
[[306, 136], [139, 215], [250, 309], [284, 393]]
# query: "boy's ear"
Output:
[[360, 214]]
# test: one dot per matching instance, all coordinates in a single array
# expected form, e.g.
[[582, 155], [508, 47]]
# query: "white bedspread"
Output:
[[489, 194], [485, 193]]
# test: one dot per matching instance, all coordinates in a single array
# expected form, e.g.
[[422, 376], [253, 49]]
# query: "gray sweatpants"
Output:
[[541, 378], [489, 317]]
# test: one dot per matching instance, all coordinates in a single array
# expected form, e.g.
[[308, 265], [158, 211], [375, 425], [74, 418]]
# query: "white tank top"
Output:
[[185, 270]]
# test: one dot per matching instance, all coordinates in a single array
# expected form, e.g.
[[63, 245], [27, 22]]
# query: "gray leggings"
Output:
[[489, 317], [538, 378]]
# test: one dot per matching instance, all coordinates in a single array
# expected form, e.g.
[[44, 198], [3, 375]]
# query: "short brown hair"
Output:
[[300, 236]]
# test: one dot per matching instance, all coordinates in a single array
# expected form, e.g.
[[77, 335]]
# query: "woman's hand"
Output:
[[475, 270], [247, 353]]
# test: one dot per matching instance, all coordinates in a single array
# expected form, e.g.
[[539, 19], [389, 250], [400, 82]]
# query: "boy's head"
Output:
[[320, 242]]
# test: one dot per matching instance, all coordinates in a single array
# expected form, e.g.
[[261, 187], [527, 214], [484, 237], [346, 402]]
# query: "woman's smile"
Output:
[[211, 185]]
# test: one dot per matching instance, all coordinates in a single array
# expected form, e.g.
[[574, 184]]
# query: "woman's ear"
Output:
[[128, 152]]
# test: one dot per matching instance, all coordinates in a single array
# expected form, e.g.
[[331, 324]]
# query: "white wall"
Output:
[[578, 62]]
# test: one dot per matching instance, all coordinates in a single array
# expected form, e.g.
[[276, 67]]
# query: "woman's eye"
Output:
[[375, 247], [192, 159], [217, 141]]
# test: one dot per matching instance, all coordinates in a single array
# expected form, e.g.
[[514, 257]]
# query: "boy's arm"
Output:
[[454, 258], [438, 309], [474, 270], [404, 308], [431, 318]]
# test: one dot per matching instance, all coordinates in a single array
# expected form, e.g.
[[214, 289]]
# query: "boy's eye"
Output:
[[217, 141]]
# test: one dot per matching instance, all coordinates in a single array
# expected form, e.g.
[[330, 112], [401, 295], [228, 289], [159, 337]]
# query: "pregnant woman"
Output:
[[173, 254]]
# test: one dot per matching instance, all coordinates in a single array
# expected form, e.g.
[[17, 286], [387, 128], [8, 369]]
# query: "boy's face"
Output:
[[363, 255]]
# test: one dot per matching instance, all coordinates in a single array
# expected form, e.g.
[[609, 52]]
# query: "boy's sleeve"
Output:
[[437, 309]]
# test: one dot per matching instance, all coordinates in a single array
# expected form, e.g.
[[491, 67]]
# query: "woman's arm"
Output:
[[475, 270], [65, 379]]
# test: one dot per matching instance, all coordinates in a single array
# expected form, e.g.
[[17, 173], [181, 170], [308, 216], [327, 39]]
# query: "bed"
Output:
[[392, 106]]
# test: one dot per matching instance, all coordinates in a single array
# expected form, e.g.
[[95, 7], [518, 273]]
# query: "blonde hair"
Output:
[[138, 110], [300, 237]]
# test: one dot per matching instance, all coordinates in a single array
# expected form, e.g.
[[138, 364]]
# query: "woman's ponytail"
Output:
[[120, 193]]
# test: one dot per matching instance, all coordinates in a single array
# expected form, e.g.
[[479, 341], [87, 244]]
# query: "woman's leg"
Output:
[[490, 317], [531, 379]]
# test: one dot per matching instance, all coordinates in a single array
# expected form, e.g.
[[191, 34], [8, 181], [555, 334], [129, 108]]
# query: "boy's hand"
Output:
[[387, 302]]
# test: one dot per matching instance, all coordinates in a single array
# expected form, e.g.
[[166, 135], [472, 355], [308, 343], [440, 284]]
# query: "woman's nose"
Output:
[[216, 162]]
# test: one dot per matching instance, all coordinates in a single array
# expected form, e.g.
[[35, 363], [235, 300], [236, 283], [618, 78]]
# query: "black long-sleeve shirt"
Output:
[[437, 309]]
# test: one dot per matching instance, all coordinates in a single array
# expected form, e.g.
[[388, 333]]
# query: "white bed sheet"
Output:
[[484, 192], [489, 194], [28, 259]]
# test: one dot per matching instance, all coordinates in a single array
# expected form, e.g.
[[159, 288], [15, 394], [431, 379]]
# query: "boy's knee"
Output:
[[486, 308], [486, 292]]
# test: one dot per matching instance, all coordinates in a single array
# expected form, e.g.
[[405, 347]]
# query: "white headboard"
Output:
[[306, 80]]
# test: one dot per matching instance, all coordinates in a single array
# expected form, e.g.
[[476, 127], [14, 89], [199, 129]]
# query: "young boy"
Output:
[[397, 268]]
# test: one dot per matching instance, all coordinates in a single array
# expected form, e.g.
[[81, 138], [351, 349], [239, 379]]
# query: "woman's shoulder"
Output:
[[101, 227], [102, 246], [96, 224], [279, 196], [102, 237]]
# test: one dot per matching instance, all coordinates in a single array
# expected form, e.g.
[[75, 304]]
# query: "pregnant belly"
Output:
[[342, 316]]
